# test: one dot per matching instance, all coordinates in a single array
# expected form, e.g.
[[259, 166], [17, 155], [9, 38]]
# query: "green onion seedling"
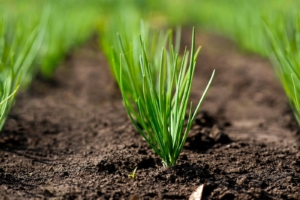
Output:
[[158, 109]]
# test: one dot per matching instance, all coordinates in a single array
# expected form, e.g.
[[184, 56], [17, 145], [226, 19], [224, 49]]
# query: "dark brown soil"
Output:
[[70, 138]]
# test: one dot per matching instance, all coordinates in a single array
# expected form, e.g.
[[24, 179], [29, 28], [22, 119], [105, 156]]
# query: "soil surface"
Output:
[[70, 138]]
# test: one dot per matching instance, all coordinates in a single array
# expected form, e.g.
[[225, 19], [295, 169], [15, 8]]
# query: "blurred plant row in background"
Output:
[[35, 37]]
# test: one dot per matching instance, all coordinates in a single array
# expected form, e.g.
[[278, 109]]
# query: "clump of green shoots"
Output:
[[7, 93], [36, 41], [285, 42], [15, 58], [156, 84]]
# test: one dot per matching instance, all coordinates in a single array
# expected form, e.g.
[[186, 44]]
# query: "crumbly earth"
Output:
[[70, 138]]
